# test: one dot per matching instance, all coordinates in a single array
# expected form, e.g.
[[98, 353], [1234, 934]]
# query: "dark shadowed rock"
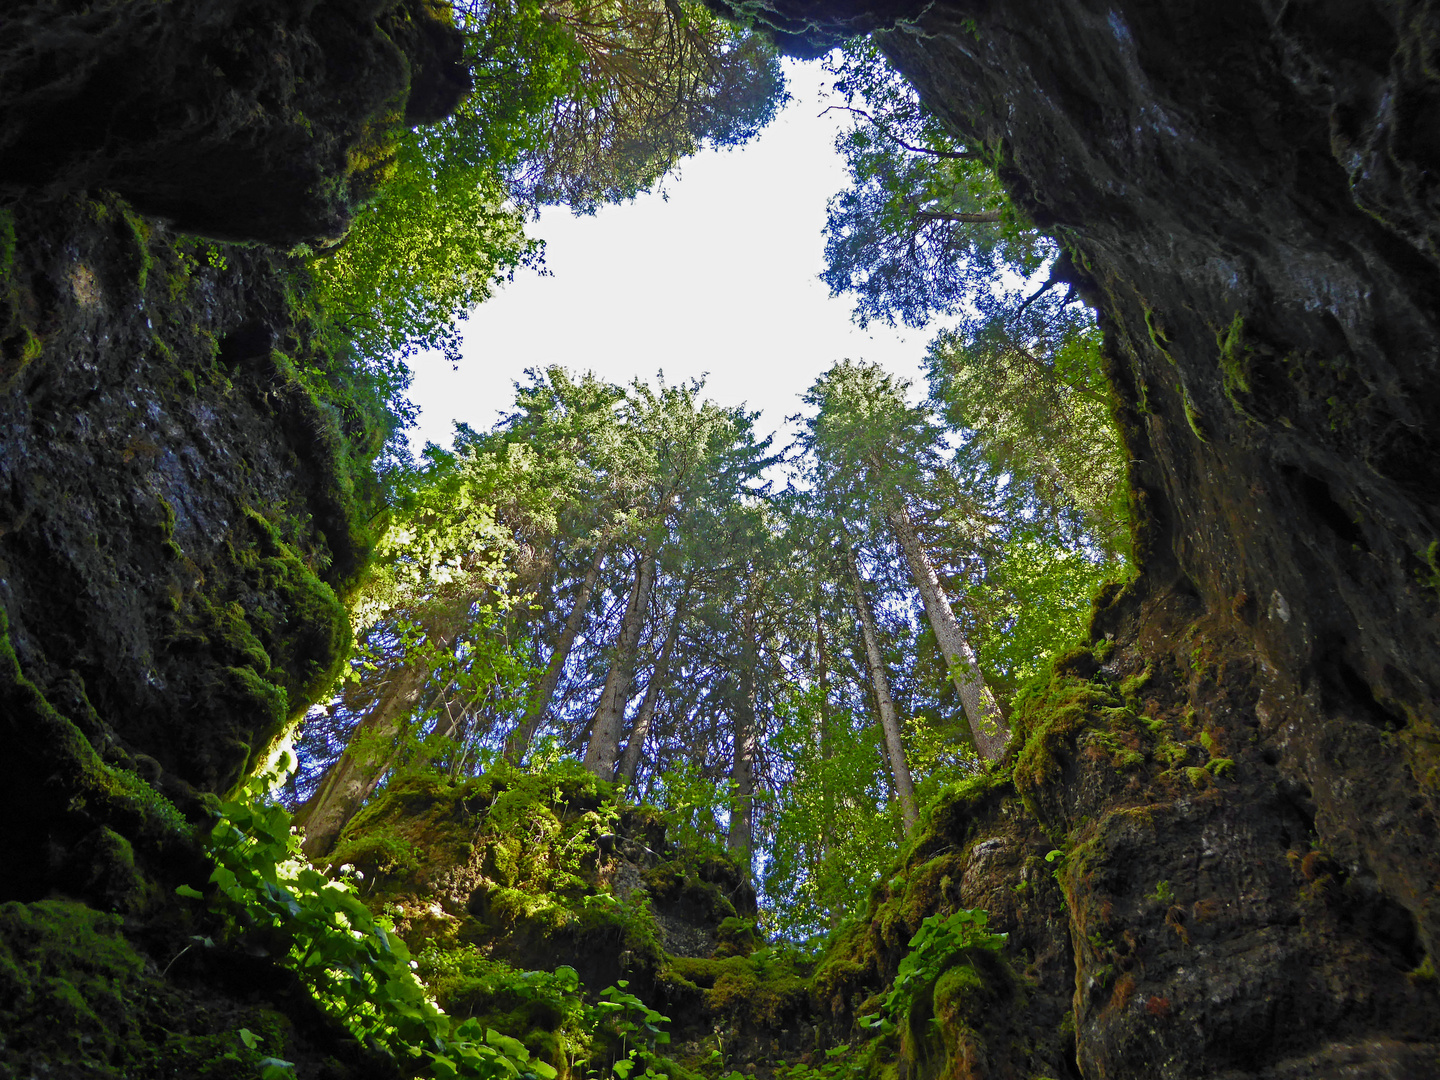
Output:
[[239, 119]]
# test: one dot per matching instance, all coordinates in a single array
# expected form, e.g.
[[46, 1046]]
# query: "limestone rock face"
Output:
[[239, 119], [181, 511], [1249, 191]]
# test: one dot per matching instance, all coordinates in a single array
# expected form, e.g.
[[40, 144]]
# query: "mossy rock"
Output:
[[77, 999]]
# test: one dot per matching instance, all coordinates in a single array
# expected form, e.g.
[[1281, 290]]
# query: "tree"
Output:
[[605, 731], [520, 738], [924, 225], [684, 456], [872, 452], [640, 729], [884, 701], [653, 81], [433, 605], [1028, 387], [577, 103]]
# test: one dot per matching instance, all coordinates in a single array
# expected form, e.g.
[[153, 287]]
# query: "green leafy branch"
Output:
[[349, 959]]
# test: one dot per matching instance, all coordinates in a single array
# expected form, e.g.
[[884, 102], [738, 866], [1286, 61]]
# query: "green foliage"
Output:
[[431, 247], [941, 942], [7, 244], [694, 804], [358, 972], [871, 448], [924, 225], [1030, 391], [1035, 597], [830, 833], [580, 103], [638, 1029], [837, 1063], [648, 84]]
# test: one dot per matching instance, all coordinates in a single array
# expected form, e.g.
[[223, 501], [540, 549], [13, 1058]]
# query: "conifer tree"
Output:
[[872, 450]]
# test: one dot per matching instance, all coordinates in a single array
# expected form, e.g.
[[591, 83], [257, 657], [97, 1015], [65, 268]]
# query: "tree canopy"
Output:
[[791, 652]]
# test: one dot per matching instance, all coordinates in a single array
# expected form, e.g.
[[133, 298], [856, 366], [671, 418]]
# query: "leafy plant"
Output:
[[939, 944], [273, 900], [839, 1064], [636, 1025]]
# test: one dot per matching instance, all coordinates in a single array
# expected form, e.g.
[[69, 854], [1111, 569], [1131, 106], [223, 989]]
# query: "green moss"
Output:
[[77, 999], [542, 1009], [849, 963], [277, 654], [1192, 414], [153, 806], [140, 232], [737, 937], [1235, 359], [7, 244], [1431, 557], [54, 771], [1130, 688], [1049, 714], [31, 349], [65, 975], [1158, 337], [753, 989]]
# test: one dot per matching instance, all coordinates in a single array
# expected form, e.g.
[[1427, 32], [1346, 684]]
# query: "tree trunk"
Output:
[[610, 713], [987, 726], [353, 778], [885, 704], [740, 841], [827, 789], [630, 760], [518, 743], [827, 822]]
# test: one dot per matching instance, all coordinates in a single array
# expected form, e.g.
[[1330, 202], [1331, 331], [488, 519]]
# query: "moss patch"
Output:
[[60, 789], [76, 998]]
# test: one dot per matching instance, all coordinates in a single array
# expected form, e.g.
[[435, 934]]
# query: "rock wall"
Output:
[[1249, 190], [186, 491], [179, 509], [240, 119]]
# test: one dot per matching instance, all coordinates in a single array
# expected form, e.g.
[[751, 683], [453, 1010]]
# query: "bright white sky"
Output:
[[718, 279]]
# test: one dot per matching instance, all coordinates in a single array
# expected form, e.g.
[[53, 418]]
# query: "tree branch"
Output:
[[954, 155], [980, 218]]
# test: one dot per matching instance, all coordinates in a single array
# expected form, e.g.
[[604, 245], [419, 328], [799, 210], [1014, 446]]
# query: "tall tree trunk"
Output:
[[827, 788], [610, 713], [354, 776], [630, 760], [740, 841], [987, 726], [519, 741], [885, 703]]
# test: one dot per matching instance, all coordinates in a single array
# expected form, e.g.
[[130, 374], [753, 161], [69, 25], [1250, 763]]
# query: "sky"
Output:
[[717, 278]]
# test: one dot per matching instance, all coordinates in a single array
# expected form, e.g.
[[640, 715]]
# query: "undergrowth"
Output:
[[272, 899]]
